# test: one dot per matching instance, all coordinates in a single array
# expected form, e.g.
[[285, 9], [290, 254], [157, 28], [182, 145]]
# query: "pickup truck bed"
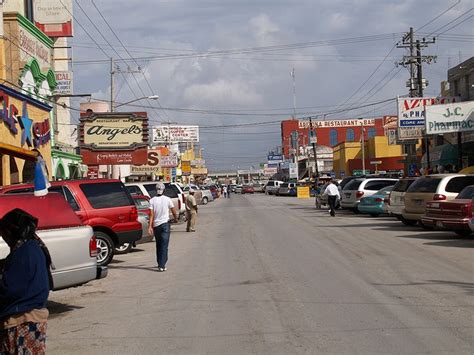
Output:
[[72, 245]]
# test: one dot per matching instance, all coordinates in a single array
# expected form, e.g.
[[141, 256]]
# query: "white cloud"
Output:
[[222, 93]]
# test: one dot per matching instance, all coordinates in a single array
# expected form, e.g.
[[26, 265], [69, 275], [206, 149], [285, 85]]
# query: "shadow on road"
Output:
[[56, 309], [467, 287], [145, 268], [457, 243]]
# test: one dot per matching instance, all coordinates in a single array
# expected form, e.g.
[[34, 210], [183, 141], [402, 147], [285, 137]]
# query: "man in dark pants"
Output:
[[333, 194]]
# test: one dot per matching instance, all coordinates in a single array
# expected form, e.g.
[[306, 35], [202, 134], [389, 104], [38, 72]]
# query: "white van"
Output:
[[272, 186]]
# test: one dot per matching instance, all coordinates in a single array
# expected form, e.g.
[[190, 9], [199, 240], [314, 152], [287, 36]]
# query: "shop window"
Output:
[[60, 172], [333, 138], [372, 132], [14, 173], [350, 136]]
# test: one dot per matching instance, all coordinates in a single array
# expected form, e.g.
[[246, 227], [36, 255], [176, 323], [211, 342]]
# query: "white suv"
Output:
[[272, 186], [172, 190], [362, 187]]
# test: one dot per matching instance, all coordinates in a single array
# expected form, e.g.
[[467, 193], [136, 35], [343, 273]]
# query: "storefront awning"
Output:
[[442, 155], [18, 152]]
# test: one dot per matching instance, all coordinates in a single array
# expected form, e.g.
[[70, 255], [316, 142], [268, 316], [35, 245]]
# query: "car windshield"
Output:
[[403, 185], [425, 184], [385, 190], [353, 184], [466, 193]]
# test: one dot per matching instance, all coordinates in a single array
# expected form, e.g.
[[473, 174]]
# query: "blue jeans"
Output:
[[162, 238]]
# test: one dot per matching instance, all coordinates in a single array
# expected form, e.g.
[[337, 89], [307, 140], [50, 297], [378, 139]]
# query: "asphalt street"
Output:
[[273, 275]]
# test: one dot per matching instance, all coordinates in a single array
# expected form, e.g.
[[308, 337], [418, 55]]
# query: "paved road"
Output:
[[272, 275]]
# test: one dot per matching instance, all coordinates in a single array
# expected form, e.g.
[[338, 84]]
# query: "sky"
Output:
[[225, 64]]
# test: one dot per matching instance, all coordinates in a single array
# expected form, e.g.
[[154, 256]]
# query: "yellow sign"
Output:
[[303, 191], [186, 168]]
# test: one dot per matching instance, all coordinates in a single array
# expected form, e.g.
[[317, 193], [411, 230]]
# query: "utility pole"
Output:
[[112, 84], [415, 84], [294, 93], [313, 141], [362, 141]]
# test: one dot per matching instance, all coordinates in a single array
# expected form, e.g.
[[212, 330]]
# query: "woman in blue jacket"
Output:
[[24, 286]]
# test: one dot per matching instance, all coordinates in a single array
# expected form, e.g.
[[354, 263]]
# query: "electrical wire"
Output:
[[438, 16]]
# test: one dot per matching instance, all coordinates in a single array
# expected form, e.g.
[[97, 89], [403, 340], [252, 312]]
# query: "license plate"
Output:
[[439, 224], [348, 195], [418, 202], [434, 205]]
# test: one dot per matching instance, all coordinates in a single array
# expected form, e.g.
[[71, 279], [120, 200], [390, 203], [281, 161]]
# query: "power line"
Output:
[[438, 16]]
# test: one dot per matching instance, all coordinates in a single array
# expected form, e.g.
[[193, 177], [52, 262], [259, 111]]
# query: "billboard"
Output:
[[186, 168], [411, 115], [293, 171], [54, 17], [337, 123], [168, 161], [198, 162], [113, 130], [114, 138], [175, 134], [450, 118]]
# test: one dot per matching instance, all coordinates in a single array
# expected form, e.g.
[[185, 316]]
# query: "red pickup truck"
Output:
[[103, 204], [72, 245], [455, 215]]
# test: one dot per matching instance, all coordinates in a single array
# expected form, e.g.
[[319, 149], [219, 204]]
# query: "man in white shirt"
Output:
[[159, 226], [333, 194]]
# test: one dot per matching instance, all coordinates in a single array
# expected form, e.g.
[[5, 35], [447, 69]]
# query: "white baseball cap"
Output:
[[160, 188]]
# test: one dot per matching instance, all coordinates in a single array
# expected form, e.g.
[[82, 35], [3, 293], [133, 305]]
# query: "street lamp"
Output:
[[152, 97]]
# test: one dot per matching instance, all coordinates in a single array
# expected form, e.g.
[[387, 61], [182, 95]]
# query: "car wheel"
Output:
[[408, 222], [105, 248], [123, 249], [463, 232], [425, 227], [205, 200]]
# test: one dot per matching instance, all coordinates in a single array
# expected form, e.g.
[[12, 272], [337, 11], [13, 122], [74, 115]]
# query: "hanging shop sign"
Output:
[[168, 161], [186, 168], [64, 82], [114, 138], [54, 17], [337, 123], [198, 162], [104, 131], [270, 171], [411, 115], [275, 159], [450, 118], [166, 134], [199, 171], [293, 170]]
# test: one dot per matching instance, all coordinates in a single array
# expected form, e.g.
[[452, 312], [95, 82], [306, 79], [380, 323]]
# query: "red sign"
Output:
[[93, 172], [123, 157]]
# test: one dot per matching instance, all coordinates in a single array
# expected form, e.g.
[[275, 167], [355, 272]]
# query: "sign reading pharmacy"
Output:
[[411, 115], [450, 118]]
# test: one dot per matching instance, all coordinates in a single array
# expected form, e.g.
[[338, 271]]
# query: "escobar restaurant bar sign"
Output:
[[114, 138], [337, 123]]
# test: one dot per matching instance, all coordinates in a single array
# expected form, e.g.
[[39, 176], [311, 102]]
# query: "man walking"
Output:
[[333, 194], [159, 226], [191, 211]]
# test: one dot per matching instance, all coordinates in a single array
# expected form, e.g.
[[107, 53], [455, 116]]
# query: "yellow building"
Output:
[[25, 113], [348, 156]]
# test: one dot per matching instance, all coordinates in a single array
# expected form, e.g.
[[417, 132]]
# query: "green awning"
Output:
[[442, 155]]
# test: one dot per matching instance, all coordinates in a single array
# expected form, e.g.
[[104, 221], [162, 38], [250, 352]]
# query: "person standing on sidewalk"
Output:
[[191, 211], [333, 194], [159, 226], [24, 286]]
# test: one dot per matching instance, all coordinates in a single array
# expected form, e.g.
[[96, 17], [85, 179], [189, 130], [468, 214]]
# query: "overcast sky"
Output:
[[228, 62]]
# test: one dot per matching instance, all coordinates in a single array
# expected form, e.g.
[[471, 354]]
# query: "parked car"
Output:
[[355, 189], [272, 186], [438, 187], [103, 204], [376, 204], [247, 189], [143, 206], [72, 245], [286, 189], [455, 215], [396, 200], [232, 187], [172, 190], [206, 196], [258, 187], [238, 189], [197, 192]]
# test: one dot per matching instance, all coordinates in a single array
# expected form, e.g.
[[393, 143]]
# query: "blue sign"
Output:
[[173, 172], [332, 174], [276, 158], [412, 170], [412, 123], [343, 174]]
